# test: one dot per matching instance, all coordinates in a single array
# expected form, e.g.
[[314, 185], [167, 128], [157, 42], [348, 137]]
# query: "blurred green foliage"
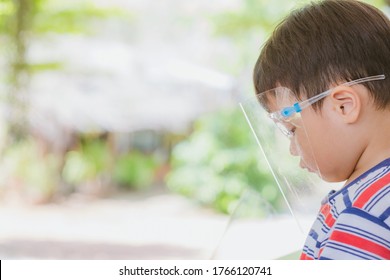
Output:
[[86, 163], [253, 16], [94, 160], [135, 169], [92, 168], [26, 169], [74, 19], [219, 161], [56, 16]]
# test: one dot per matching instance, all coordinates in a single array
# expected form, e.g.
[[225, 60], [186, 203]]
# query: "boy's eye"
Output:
[[292, 131], [287, 129]]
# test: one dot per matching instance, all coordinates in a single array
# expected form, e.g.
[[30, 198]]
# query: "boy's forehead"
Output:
[[277, 99], [270, 104]]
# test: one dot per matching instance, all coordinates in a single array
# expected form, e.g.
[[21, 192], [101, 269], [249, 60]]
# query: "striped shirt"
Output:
[[354, 222]]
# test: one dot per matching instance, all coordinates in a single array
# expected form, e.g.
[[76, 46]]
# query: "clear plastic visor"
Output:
[[286, 146]]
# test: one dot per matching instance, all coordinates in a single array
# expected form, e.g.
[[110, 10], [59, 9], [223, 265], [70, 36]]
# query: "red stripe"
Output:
[[320, 252], [305, 257], [361, 243], [329, 221], [328, 218], [325, 209], [365, 196]]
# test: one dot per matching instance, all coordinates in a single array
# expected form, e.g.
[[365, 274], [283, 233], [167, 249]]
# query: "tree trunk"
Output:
[[17, 99]]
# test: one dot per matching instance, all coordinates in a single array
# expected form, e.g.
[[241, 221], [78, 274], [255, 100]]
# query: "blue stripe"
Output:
[[379, 196], [309, 252], [352, 251], [323, 242], [333, 209], [336, 212], [365, 215], [346, 199], [324, 228], [385, 214], [313, 234]]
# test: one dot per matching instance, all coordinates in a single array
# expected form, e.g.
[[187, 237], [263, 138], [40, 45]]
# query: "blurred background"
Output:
[[120, 131]]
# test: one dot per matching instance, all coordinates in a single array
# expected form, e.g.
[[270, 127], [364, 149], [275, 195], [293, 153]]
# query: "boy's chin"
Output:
[[308, 168], [324, 177], [331, 178]]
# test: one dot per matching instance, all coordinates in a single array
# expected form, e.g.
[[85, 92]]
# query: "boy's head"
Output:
[[320, 46]]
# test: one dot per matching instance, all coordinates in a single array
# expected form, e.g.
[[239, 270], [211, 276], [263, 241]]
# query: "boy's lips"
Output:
[[303, 166]]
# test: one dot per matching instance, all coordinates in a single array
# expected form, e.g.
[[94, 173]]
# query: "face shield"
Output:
[[285, 137], [284, 140], [285, 147]]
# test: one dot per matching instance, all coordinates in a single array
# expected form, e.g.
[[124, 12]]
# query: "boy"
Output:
[[340, 49]]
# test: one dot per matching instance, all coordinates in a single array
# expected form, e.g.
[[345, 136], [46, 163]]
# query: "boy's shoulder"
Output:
[[369, 193]]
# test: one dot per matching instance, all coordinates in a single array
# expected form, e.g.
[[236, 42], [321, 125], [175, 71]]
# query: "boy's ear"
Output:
[[347, 103]]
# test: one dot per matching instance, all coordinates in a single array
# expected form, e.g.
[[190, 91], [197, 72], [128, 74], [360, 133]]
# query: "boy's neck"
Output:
[[377, 148]]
